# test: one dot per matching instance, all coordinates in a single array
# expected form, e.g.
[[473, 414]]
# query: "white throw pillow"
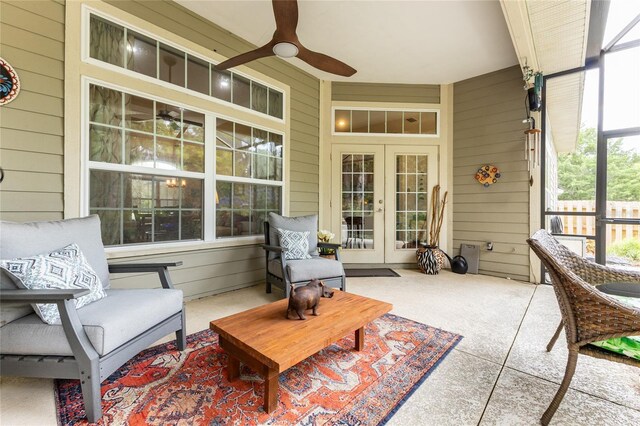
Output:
[[296, 243], [66, 268]]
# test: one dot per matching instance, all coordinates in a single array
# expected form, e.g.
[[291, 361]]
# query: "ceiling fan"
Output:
[[285, 44]]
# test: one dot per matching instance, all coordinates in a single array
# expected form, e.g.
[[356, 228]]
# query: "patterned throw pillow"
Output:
[[296, 243], [66, 268]]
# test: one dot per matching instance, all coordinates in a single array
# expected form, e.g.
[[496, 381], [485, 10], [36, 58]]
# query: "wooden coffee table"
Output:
[[269, 343]]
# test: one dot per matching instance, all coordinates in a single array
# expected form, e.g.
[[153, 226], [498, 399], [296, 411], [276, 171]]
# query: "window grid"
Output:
[[158, 213], [231, 151], [357, 200], [274, 111], [242, 208], [411, 200], [427, 121]]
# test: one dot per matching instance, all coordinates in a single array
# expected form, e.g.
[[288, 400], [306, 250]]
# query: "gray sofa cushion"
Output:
[[299, 223], [308, 269], [109, 323]]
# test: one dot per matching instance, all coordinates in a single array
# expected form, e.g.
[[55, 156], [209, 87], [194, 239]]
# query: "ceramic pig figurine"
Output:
[[307, 297]]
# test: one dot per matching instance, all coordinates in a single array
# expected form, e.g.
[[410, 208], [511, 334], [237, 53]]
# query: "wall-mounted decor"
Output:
[[9, 83], [487, 175]]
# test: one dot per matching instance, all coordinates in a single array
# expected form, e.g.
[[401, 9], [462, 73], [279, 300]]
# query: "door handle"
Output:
[[379, 209]]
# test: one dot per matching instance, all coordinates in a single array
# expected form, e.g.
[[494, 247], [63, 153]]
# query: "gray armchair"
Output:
[[95, 340], [282, 272]]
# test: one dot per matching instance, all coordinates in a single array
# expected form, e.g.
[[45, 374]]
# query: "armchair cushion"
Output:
[[65, 268], [299, 224], [307, 269], [109, 323], [296, 243], [32, 238]]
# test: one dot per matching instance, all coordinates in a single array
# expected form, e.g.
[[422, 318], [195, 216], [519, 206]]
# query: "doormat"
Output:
[[370, 272], [336, 386]]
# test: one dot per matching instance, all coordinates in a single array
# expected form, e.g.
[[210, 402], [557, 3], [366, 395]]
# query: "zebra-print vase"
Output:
[[428, 259]]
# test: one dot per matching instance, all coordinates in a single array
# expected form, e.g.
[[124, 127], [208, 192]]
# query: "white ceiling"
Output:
[[386, 41]]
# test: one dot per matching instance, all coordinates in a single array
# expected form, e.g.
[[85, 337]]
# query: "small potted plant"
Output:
[[325, 236]]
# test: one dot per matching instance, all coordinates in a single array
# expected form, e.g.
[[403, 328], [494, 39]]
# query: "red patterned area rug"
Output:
[[337, 385]]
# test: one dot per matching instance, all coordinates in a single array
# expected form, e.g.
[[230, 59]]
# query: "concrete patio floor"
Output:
[[498, 374]]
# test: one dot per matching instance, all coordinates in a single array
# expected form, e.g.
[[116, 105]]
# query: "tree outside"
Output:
[[577, 182]]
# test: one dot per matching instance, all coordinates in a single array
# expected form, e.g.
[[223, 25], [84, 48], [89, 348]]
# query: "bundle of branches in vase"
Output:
[[437, 215], [430, 257]]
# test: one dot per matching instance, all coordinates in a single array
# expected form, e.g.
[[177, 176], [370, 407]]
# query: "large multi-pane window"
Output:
[[123, 47], [161, 171], [146, 161], [243, 154]]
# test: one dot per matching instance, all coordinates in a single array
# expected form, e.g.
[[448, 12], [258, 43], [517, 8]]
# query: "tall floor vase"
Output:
[[430, 259]]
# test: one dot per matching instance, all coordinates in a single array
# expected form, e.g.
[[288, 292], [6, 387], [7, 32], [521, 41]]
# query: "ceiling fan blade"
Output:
[[286, 14], [261, 52], [325, 63]]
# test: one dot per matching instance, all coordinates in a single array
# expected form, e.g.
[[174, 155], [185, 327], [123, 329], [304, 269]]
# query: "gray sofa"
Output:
[[95, 340]]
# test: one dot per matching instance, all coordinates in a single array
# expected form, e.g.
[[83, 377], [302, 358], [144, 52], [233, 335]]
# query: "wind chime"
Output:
[[532, 144], [534, 104]]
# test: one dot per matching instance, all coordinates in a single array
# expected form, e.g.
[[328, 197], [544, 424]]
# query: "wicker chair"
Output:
[[588, 315], [590, 272]]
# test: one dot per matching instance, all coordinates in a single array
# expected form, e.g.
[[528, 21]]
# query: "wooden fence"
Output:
[[586, 225]]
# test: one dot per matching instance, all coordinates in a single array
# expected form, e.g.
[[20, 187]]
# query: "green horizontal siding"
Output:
[[488, 129]]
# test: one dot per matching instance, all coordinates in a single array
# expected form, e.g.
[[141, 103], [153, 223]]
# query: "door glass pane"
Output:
[[411, 200], [357, 201], [623, 178]]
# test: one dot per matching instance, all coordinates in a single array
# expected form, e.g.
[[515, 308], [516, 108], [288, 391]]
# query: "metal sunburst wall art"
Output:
[[9, 83]]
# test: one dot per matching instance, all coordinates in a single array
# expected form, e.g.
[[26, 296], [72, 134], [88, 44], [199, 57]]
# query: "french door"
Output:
[[380, 200]]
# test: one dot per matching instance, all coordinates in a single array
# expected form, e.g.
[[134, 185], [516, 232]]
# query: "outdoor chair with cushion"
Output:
[[589, 316], [89, 342], [291, 252], [592, 273]]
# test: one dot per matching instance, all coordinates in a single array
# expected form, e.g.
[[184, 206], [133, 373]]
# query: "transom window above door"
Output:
[[396, 122]]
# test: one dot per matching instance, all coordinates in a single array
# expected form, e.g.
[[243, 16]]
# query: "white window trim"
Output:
[[209, 176], [87, 11], [385, 109], [76, 149]]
